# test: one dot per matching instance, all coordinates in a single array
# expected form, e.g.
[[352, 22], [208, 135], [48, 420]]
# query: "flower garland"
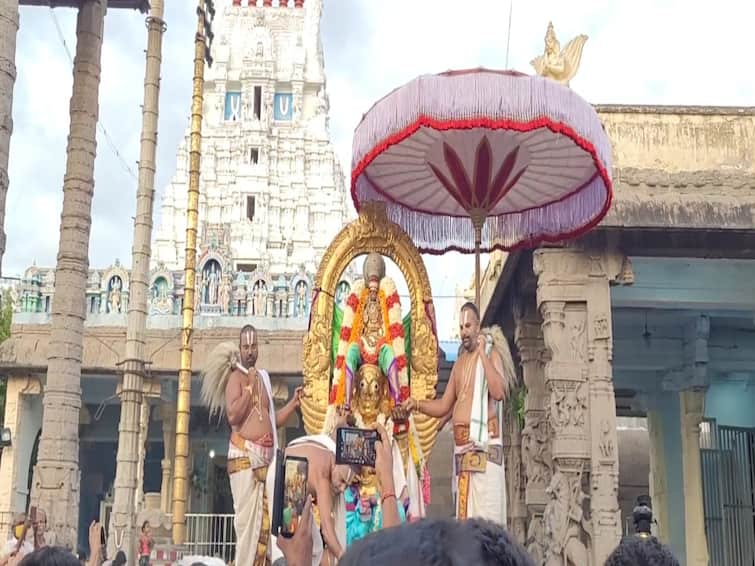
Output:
[[352, 305], [395, 334], [352, 327]]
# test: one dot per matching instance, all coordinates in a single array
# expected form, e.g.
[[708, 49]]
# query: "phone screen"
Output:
[[290, 494], [356, 446]]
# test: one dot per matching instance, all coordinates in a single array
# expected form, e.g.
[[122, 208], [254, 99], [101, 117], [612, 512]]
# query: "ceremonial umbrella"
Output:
[[478, 160]]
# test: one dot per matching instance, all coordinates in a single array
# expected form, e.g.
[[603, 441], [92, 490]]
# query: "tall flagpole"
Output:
[[205, 13]]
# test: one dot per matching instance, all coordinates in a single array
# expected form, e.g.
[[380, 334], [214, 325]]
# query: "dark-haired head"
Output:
[[469, 326], [439, 542], [50, 556], [248, 346], [636, 551], [120, 557], [469, 305]]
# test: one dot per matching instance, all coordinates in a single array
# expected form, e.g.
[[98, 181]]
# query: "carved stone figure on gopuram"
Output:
[[365, 358]]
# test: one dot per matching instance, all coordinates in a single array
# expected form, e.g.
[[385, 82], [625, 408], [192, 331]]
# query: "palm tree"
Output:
[[56, 476]]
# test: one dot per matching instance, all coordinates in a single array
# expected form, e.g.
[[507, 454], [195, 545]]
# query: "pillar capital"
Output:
[[561, 272]]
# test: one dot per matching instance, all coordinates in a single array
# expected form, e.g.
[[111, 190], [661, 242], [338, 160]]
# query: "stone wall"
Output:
[[687, 167], [104, 347], [681, 138]]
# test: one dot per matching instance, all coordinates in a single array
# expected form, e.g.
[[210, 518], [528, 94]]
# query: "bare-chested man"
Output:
[[253, 420], [473, 394]]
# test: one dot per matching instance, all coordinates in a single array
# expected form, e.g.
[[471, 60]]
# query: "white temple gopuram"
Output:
[[272, 193], [272, 199]]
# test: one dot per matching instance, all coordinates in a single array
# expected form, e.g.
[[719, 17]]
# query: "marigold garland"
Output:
[[353, 327]]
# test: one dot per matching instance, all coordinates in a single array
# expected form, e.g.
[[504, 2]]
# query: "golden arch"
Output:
[[370, 232]]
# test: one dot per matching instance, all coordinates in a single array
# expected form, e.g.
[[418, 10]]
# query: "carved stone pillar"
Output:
[[574, 301], [691, 409], [168, 412], [512, 449], [604, 471], [536, 442], [144, 414], [57, 477]]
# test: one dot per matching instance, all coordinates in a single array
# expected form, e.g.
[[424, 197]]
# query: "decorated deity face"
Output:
[[248, 347], [373, 286], [370, 391]]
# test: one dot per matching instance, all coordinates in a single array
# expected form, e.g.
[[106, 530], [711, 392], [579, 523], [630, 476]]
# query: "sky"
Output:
[[681, 52]]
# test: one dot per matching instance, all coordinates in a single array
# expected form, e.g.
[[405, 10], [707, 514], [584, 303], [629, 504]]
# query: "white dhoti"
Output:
[[248, 467], [478, 454], [481, 483]]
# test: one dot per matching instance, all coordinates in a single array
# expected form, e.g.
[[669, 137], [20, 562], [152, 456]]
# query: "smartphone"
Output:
[[356, 446], [290, 494]]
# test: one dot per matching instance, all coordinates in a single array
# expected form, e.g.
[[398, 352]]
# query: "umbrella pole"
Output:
[[478, 221], [477, 273]]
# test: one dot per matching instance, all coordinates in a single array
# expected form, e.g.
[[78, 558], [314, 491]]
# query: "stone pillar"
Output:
[[691, 409], [8, 29], [56, 477], [657, 479], [516, 520], [168, 412], [134, 417], [23, 416], [536, 442], [574, 300], [604, 471], [146, 409]]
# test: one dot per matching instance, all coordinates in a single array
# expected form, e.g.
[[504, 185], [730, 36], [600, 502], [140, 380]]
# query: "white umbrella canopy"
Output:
[[478, 160]]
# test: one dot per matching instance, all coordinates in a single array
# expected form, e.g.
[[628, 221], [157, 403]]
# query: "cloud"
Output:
[[642, 52]]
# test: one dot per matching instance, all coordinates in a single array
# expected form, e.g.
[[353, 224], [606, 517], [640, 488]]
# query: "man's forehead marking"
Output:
[[248, 336], [467, 316]]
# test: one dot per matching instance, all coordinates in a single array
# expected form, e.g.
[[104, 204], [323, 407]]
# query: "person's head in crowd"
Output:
[[431, 542], [50, 556], [120, 558], [639, 551]]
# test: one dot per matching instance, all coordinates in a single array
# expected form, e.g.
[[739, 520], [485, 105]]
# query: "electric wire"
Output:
[[100, 125]]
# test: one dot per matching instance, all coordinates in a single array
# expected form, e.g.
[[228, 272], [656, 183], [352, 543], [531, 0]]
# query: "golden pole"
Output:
[[478, 221], [180, 480]]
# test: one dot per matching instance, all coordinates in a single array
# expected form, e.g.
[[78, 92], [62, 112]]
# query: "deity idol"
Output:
[[556, 64], [368, 335], [372, 403], [370, 382]]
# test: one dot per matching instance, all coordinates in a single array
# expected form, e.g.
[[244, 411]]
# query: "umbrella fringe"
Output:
[[566, 218]]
